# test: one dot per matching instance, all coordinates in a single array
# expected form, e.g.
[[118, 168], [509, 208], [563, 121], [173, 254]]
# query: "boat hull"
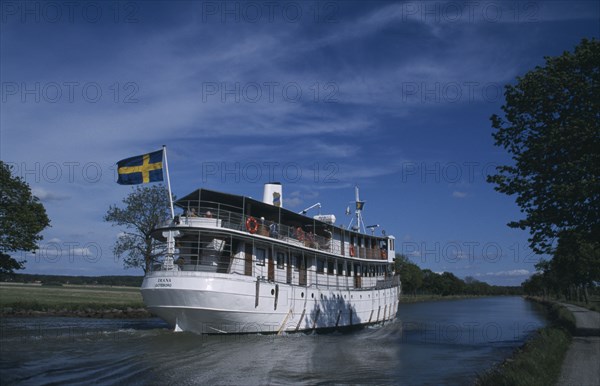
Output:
[[204, 302]]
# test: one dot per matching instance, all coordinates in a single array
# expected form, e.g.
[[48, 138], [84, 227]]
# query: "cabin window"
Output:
[[261, 253], [280, 259], [297, 261], [340, 268], [330, 265], [320, 266]]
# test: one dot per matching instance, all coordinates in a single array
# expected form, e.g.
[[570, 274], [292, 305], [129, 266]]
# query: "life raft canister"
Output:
[[251, 225]]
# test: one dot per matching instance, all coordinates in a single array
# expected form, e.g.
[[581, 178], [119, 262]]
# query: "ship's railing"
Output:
[[215, 252], [215, 215]]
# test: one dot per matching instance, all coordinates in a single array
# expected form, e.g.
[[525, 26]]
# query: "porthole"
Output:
[[312, 295], [272, 292], [302, 295]]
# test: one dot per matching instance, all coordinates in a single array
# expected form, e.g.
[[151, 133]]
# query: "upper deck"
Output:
[[215, 210]]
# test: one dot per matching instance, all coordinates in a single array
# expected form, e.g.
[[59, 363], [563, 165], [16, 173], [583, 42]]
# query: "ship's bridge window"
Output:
[[261, 253]]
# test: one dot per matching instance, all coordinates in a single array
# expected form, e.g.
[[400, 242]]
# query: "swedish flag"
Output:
[[141, 169], [360, 205]]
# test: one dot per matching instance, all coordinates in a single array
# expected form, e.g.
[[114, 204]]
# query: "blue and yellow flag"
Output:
[[141, 169]]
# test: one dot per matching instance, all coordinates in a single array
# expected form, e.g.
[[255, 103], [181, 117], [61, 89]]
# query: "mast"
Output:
[[168, 181], [360, 225]]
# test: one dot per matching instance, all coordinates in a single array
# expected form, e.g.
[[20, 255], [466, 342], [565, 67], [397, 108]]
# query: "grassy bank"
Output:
[[22, 299], [539, 361]]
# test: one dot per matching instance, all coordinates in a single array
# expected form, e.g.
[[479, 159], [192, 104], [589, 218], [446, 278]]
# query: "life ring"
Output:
[[300, 234], [251, 225], [383, 254], [352, 251]]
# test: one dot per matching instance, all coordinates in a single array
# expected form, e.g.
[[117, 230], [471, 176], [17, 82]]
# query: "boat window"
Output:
[[260, 256], [280, 259], [297, 261], [330, 265], [340, 268], [320, 266]]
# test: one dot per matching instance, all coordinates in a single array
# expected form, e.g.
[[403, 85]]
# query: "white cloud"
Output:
[[458, 194], [514, 272], [47, 196]]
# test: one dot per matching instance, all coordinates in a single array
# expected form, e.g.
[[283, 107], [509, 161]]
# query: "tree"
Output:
[[551, 127], [410, 274], [146, 208], [22, 218]]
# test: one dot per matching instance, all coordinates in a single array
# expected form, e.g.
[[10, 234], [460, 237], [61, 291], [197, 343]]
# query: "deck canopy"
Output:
[[202, 200]]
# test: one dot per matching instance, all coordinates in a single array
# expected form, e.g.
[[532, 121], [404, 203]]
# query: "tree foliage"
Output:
[[146, 208], [426, 282], [22, 218], [551, 128], [574, 268], [412, 276]]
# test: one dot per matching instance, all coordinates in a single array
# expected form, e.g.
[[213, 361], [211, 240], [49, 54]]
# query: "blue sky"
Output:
[[392, 96]]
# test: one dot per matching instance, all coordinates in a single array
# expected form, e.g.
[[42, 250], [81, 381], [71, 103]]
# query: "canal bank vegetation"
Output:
[[70, 300], [120, 281], [424, 284], [539, 360]]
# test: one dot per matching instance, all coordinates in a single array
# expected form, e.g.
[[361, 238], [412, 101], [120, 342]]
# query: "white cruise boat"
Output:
[[238, 265]]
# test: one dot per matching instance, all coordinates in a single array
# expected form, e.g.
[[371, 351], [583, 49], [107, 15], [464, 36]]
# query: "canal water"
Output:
[[432, 343]]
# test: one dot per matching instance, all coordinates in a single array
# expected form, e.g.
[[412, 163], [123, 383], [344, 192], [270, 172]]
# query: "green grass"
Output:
[[49, 298], [538, 362]]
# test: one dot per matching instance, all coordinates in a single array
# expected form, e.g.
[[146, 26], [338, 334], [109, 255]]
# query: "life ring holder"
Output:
[[251, 225], [300, 234], [352, 251]]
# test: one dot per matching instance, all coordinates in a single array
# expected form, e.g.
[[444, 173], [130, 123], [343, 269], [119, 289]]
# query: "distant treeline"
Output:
[[126, 281], [417, 281]]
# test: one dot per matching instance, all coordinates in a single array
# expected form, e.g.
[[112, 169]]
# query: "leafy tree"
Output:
[[410, 274], [22, 218], [551, 127], [146, 208]]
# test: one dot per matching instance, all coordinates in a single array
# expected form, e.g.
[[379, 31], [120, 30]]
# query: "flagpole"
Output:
[[168, 181]]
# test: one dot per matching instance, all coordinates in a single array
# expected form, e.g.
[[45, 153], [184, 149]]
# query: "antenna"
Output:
[[318, 204], [372, 228]]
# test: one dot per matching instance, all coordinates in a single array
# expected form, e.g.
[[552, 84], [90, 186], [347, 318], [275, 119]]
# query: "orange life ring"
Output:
[[251, 225], [352, 251], [299, 234]]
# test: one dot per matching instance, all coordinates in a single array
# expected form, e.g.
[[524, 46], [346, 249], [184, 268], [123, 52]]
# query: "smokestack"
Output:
[[273, 194]]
